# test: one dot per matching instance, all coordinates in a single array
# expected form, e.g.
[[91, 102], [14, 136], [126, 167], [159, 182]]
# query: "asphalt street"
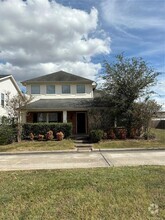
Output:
[[68, 160]]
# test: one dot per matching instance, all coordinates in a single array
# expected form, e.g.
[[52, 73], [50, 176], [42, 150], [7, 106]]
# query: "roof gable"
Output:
[[10, 77], [59, 76]]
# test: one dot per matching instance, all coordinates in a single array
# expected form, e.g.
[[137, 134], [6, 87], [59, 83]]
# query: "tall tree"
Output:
[[127, 80]]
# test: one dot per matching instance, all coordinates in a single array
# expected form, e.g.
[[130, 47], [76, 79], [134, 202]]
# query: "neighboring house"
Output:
[[7, 85], [60, 97], [159, 120]]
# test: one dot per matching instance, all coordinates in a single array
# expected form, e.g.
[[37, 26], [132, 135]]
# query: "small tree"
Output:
[[125, 82], [143, 113], [13, 107]]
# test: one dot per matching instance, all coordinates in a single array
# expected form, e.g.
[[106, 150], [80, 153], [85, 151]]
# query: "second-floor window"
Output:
[[50, 89], [80, 88], [2, 100], [35, 89], [65, 89]]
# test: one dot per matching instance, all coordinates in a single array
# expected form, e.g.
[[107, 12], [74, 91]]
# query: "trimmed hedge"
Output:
[[117, 133], [43, 128], [7, 134], [96, 135]]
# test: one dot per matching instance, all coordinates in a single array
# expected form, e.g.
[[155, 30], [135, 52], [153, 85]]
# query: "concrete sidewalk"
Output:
[[73, 159]]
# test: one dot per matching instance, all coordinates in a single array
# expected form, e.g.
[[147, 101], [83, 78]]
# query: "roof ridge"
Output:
[[59, 76]]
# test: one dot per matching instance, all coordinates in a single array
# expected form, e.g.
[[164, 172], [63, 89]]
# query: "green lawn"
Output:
[[102, 193]]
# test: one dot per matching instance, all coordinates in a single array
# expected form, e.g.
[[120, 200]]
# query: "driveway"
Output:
[[63, 160]]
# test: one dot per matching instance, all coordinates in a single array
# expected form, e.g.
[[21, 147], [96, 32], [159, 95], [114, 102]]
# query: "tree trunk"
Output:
[[19, 132]]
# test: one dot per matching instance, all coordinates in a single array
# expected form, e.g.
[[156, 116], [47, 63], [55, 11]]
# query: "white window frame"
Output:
[[50, 86], [64, 88], [79, 87]]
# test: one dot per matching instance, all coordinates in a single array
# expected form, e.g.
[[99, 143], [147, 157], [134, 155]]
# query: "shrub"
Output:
[[40, 137], [111, 134], [7, 134], [122, 133], [133, 133], [96, 135], [149, 136], [105, 135], [43, 128], [31, 136], [59, 136], [49, 135]]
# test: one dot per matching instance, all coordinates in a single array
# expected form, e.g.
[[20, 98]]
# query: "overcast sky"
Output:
[[39, 37]]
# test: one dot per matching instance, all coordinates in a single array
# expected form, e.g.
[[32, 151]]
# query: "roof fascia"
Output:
[[5, 77]]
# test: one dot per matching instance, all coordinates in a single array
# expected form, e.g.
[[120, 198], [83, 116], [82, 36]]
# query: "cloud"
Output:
[[137, 28], [134, 14], [40, 36]]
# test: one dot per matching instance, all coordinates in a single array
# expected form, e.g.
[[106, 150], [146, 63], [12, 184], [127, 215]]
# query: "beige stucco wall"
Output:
[[58, 92]]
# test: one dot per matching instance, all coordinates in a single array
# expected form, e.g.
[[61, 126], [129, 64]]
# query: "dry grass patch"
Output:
[[38, 146]]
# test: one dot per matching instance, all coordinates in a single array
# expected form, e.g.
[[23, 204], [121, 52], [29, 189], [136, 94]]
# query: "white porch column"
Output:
[[64, 116]]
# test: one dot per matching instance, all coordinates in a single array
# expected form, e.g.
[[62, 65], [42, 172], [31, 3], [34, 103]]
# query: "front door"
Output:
[[81, 123]]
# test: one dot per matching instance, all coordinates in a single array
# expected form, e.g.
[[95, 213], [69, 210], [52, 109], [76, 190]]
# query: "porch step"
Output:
[[80, 137], [84, 147], [81, 142]]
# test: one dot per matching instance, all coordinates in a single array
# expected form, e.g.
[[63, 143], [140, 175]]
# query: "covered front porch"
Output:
[[79, 119], [73, 111]]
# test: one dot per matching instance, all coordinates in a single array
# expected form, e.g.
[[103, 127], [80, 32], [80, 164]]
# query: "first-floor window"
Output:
[[42, 117], [53, 117], [2, 99], [47, 117]]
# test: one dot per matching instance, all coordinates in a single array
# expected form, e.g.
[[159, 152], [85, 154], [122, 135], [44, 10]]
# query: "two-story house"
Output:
[[60, 97], [7, 85]]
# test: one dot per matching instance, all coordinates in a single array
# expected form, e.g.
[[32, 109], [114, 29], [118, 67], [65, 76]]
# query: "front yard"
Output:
[[68, 144], [101, 193], [159, 142]]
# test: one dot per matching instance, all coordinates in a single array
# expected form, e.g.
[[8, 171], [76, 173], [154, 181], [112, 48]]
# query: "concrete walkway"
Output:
[[67, 160]]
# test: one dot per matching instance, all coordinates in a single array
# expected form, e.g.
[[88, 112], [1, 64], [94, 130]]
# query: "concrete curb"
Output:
[[80, 151], [131, 149], [38, 152]]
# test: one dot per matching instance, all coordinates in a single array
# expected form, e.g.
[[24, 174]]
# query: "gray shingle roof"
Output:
[[60, 104], [59, 76]]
